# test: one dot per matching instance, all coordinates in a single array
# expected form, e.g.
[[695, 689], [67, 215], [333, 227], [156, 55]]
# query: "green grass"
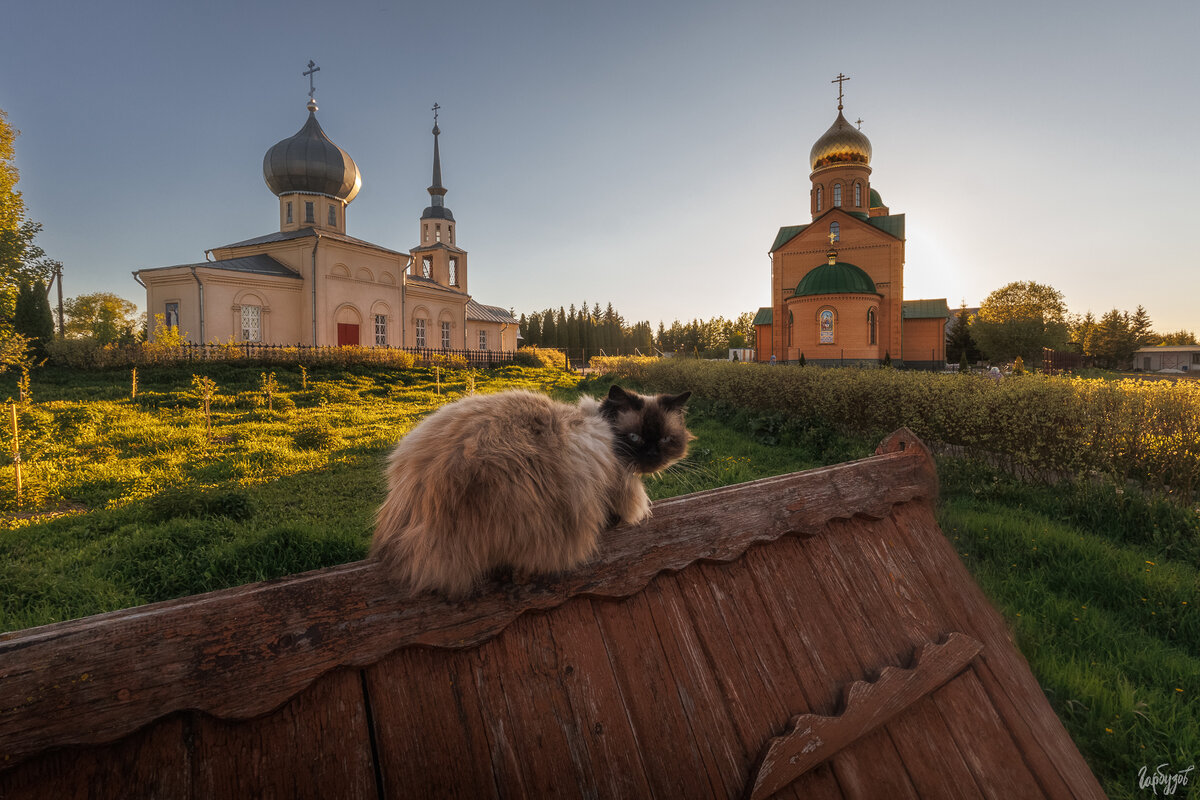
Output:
[[129, 502]]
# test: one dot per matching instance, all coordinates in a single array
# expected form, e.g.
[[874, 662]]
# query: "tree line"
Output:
[[597, 330], [1023, 317]]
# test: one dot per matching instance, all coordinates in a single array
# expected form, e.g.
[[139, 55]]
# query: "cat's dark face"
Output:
[[648, 432]]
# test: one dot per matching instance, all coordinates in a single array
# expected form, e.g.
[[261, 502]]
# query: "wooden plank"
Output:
[[818, 628], [506, 758], [658, 707], [430, 734], [154, 762], [596, 704], [757, 683], [936, 767], [316, 746], [1001, 669], [993, 757], [811, 738], [240, 652]]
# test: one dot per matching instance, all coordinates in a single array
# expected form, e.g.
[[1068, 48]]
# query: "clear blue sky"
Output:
[[635, 152]]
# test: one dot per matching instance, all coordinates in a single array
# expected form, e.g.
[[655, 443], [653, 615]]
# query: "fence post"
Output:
[[16, 451]]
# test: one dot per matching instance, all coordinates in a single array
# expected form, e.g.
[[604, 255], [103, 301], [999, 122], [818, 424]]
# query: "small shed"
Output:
[[812, 635], [1184, 358]]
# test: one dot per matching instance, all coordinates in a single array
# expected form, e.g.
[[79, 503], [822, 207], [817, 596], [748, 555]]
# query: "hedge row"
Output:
[[1147, 431]]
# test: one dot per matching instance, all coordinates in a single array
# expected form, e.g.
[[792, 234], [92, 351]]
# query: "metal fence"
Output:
[[251, 352]]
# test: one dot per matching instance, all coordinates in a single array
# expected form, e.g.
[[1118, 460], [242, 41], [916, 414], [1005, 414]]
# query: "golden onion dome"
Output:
[[841, 144]]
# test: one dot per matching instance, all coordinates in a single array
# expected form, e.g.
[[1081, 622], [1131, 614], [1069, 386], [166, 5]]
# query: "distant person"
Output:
[[772, 359]]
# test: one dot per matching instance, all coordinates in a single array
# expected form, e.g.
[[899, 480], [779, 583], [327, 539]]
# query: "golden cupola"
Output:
[[841, 144]]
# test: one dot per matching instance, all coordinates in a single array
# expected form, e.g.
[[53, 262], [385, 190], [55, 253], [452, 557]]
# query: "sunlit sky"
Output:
[[638, 153]]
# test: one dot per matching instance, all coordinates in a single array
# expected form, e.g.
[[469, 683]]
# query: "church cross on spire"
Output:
[[312, 69], [839, 80]]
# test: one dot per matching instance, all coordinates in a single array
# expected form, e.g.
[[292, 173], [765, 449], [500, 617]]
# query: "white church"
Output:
[[310, 283]]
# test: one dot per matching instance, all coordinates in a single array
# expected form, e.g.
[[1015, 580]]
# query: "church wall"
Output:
[[851, 334], [173, 287], [500, 338], [352, 288], [924, 342], [225, 294], [434, 307]]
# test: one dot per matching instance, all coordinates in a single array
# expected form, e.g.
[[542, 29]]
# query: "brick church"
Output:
[[837, 283]]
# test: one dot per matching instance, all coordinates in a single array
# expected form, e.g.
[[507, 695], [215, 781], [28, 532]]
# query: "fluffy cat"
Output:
[[517, 480]]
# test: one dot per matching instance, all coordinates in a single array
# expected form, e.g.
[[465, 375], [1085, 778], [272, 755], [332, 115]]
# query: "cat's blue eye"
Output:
[[665, 440], [635, 438]]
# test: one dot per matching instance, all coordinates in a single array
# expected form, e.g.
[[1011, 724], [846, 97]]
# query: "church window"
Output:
[[332, 216], [289, 212], [251, 323], [871, 326], [427, 233], [858, 195], [172, 316], [483, 344], [309, 213], [420, 332], [381, 330], [427, 266], [454, 272], [437, 232], [835, 232], [837, 195], [820, 198], [826, 325], [445, 334]]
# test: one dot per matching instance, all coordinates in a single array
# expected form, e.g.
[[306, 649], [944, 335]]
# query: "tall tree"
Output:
[[21, 260], [1115, 339], [1020, 319], [102, 316], [32, 319], [1180, 337], [959, 341]]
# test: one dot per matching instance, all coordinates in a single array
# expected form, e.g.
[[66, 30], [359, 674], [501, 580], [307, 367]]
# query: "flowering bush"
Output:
[[1131, 429]]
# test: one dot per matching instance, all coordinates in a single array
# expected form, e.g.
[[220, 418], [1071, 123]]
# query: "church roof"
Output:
[[259, 264], [785, 235], [421, 248], [892, 224], [482, 313], [283, 236], [836, 278], [764, 316], [925, 309]]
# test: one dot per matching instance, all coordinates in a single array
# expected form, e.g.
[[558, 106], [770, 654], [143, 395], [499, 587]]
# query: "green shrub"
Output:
[[540, 357], [233, 504], [318, 435]]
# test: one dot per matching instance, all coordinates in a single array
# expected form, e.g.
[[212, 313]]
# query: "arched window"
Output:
[[858, 194], [427, 266], [835, 232], [837, 195], [820, 198], [871, 326], [825, 323]]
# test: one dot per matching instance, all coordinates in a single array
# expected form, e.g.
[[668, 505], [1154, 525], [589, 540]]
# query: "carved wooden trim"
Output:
[[241, 652], [811, 739]]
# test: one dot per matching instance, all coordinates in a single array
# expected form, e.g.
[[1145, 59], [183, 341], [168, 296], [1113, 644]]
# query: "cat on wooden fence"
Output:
[[519, 481]]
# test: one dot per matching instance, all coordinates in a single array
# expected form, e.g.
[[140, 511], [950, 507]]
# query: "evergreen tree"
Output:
[[960, 345], [32, 318], [1140, 328], [549, 331]]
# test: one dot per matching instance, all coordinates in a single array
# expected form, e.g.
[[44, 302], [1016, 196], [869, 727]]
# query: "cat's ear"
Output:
[[674, 402], [619, 398]]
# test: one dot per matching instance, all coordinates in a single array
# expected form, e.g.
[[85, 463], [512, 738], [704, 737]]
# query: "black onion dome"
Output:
[[841, 144], [311, 163]]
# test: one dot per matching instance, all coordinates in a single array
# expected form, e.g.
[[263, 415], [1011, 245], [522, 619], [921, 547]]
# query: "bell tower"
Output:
[[438, 257]]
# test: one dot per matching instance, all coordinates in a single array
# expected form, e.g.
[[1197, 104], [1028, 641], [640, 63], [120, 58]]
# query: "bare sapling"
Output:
[[205, 388]]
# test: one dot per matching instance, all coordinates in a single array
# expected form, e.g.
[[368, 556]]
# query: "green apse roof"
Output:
[[764, 316], [876, 200], [892, 224], [836, 278]]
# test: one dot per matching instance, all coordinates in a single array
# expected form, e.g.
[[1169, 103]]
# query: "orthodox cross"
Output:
[[833, 237], [839, 80], [312, 68], [435, 110], [858, 122]]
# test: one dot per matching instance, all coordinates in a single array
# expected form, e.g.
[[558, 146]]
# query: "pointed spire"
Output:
[[437, 192]]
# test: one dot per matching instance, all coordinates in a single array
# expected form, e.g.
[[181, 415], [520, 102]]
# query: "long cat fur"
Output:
[[517, 480]]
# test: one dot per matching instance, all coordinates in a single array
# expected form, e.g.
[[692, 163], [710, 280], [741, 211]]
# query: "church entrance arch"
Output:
[[349, 324]]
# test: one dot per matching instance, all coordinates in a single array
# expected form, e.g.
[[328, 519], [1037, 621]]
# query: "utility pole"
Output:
[[62, 331]]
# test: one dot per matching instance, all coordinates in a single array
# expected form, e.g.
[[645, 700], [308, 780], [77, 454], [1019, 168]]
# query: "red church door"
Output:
[[347, 335]]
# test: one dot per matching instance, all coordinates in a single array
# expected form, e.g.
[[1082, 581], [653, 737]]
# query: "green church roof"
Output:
[[925, 309], [785, 235], [764, 316], [836, 278], [876, 200], [892, 224]]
